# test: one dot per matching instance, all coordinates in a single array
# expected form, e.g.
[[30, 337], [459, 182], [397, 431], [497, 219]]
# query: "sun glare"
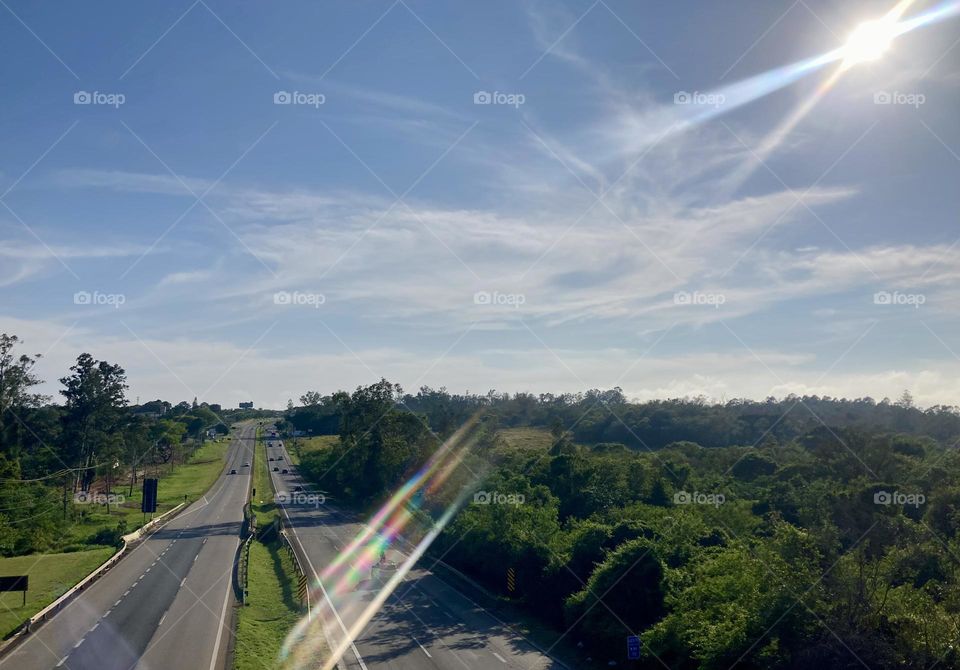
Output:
[[869, 41]]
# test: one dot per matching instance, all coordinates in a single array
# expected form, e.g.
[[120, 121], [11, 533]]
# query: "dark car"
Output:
[[233, 472], [297, 489], [276, 469], [284, 471], [270, 459]]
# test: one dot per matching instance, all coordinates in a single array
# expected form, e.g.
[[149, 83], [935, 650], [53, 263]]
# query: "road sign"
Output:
[[633, 647], [148, 505], [511, 580], [16, 583]]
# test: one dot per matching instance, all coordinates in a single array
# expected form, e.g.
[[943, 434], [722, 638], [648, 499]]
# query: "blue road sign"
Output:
[[633, 647]]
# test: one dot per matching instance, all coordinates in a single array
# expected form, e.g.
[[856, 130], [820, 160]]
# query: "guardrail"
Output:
[[127, 539]]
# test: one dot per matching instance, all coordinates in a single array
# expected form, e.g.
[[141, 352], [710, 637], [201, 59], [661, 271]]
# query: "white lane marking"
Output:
[[161, 619], [204, 541], [126, 592], [501, 658], [422, 647], [62, 661], [79, 643], [196, 557], [118, 601], [107, 613], [182, 582], [94, 627], [223, 616], [148, 570]]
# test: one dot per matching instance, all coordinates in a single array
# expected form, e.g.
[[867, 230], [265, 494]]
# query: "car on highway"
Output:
[[276, 469], [284, 471], [233, 472], [298, 489], [247, 464]]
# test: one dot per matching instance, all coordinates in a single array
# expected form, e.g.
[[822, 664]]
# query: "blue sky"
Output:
[[576, 232]]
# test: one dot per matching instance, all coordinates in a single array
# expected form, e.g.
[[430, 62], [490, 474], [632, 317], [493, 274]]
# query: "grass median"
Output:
[[272, 607]]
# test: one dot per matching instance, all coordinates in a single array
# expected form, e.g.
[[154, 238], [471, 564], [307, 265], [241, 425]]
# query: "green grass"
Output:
[[192, 480], [538, 439], [271, 610], [264, 508], [301, 446], [50, 576]]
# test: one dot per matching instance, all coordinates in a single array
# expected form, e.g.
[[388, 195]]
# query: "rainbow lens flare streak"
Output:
[[334, 596]]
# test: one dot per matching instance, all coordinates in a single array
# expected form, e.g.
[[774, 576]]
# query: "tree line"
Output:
[[790, 533], [90, 441]]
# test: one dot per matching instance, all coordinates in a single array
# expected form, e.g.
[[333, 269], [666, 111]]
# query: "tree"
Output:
[[16, 380], [95, 401]]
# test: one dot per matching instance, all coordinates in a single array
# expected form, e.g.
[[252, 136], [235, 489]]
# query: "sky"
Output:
[[245, 201]]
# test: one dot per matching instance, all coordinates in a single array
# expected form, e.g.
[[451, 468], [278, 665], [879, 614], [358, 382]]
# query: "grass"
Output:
[[50, 576], [272, 608], [527, 437], [301, 446], [263, 506], [185, 482]]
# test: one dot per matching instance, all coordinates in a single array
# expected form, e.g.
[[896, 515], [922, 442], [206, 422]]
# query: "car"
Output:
[[297, 489], [276, 469], [247, 464], [233, 472], [284, 471]]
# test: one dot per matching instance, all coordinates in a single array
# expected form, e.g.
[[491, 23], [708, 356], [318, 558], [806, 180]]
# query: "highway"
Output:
[[165, 605], [425, 623]]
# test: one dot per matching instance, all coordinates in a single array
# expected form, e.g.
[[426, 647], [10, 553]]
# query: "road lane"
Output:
[[164, 602], [425, 623]]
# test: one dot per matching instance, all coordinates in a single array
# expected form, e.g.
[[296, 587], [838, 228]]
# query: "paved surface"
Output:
[[425, 623], [166, 604]]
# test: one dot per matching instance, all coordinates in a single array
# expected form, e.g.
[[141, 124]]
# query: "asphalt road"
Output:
[[425, 623], [165, 605]]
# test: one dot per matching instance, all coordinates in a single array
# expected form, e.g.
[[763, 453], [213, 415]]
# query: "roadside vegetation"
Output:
[[51, 575], [793, 533], [272, 608], [71, 473]]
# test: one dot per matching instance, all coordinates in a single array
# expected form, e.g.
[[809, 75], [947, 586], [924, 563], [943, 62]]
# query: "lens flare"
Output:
[[353, 586]]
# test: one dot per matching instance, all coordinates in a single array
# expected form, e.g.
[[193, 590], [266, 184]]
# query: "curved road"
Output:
[[166, 604]]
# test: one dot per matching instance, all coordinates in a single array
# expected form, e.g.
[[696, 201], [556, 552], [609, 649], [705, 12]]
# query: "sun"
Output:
[[869, 41]]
